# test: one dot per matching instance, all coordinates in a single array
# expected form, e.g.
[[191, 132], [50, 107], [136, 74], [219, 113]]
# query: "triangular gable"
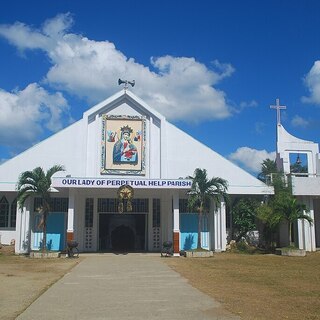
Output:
[[122, 97], [169, 152]]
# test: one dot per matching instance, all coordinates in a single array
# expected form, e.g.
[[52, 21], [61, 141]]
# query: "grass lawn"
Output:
[[23, 280], [258, 286]]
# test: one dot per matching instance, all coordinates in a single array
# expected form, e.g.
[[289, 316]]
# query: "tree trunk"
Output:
[[199, 228], [44, 239], [290, 234]]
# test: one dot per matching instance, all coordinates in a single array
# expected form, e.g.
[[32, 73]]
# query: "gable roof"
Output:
[[66, 147], [123, 96]]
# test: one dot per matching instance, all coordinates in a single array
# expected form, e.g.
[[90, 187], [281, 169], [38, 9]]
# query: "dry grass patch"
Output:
[[23, 280], [258, 286]]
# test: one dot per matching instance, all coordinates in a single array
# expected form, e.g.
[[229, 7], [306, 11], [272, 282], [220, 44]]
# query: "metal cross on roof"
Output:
[[278, 107]]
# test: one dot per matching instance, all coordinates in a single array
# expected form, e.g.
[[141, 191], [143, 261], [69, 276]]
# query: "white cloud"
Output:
[[225, 69], [244, 105], [298, 121], [24, 114], [179, 87], [251, 159], [312, 82], [23, 37], [250, 104]]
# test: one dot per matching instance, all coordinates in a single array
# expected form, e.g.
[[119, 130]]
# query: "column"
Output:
[[301, 235], [306, 231], [70, 220], [312, 225], [176, 224], [309, 229], [17, 246], [211, 229], [23, 238], [220, 231], [217, 230], [223, 226]]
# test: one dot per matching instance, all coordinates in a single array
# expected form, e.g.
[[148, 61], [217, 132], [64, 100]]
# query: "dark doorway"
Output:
[[122, 239], [122, 232]]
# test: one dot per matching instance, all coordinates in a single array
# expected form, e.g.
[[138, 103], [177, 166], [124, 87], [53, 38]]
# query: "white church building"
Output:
[[125, 185], [299, 160]]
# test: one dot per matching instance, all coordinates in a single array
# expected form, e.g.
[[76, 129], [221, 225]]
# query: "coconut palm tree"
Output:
[[37, 183], [288, 208], [283, 206], [203, 191], [268, 167]]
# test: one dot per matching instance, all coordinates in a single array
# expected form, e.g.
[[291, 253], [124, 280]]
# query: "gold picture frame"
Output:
[[123, 145]]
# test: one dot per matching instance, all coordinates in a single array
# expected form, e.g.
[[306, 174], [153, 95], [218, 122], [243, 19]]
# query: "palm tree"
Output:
[[268, 167], [282, 207], [202, 191], [287, 207], [37, 183]]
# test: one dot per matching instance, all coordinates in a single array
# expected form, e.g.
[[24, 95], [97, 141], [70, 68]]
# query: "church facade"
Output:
[[125, 185], [299, 160]]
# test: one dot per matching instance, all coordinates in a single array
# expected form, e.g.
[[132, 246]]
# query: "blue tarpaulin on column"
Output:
[[55, 232], [189, 231]]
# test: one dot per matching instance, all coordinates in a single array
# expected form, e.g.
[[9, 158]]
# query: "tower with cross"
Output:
[[278, 107]]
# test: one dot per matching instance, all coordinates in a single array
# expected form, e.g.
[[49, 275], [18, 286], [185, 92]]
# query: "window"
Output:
[[298, 163], [140, 205], [111, 205], [156, 213], [13, 215], [4, 212], [183, 206], [108, 205], [89, 213], [56, 204]]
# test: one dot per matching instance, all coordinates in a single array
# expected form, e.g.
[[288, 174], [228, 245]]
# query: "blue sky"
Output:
[[212, 68]]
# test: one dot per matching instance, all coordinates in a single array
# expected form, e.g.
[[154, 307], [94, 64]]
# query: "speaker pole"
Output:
[[126, 82]]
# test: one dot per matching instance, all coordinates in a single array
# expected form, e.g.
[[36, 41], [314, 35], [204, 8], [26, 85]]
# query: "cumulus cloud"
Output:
[[24, 113], [23, 37], [312, 82], [178, 87], [251, 159], [298, 121]]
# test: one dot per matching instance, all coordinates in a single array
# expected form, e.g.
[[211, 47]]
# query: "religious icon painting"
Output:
[[123, 145]]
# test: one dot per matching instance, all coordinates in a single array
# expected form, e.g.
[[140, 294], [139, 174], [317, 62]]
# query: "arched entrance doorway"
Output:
[[122, 232]]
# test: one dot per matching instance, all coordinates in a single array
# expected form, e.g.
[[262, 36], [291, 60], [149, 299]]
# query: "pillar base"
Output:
[[70, 235], [176, 245]]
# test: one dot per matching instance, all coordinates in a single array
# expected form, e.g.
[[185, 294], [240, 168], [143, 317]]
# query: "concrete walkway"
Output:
[[132, 286]]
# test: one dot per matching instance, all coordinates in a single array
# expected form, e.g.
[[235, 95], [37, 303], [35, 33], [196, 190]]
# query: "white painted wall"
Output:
[[7, 235], [64, 147], [287, 143], [23, 233], [185, 154], [307, 188]]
